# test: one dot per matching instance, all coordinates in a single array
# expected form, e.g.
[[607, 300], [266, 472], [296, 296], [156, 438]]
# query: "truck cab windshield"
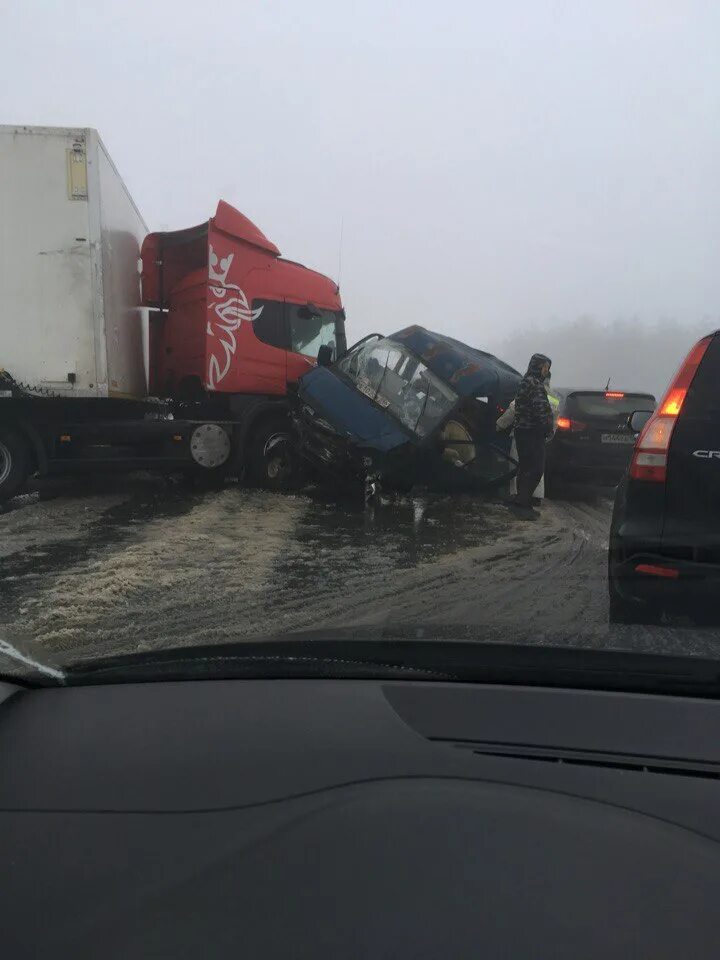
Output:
[[313, 327], [398, 381]]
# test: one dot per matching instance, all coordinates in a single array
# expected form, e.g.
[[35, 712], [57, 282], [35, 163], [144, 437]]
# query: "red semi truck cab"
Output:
[[231, 316]]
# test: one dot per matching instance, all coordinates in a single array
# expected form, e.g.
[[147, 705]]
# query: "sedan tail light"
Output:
[[649, 461], [574, 426]]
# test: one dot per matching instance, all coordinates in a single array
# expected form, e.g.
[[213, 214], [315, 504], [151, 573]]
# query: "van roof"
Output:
[[470, 372]]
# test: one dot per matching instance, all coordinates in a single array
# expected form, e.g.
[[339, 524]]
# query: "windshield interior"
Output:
[[400, 383], [511, 210]]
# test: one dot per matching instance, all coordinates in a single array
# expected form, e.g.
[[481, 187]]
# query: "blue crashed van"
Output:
[[414, 408]]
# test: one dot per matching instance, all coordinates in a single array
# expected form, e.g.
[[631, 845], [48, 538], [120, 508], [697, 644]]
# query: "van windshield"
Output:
[[400, 383]]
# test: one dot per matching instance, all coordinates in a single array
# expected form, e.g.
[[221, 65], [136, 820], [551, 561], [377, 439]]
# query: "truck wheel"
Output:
[[273, 461], [210, 449], [14, 463]]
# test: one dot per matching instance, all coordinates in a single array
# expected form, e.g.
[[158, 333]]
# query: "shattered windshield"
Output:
[[400, 383]]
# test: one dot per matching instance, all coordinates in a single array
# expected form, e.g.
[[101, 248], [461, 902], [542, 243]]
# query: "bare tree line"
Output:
[[631, 353]]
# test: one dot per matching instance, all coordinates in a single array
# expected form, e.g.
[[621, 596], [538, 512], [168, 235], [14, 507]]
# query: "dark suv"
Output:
[[593, 442], [665, 532]]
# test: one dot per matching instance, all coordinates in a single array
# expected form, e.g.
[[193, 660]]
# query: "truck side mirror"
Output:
[[637, 420], [325, 355]]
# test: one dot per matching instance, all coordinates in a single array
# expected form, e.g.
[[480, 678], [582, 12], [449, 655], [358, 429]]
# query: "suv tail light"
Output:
[[649, 461], [654, 570], [574, 426]]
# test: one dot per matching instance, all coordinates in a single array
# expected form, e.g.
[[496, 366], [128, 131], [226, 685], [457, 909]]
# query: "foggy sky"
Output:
[[633, 355], [498, 167]]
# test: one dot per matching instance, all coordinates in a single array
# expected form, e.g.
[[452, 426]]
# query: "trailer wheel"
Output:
[[14, 463], [273, 461]]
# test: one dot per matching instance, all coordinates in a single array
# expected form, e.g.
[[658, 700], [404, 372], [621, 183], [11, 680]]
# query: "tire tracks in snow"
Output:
[[550, 577], [240, 564]]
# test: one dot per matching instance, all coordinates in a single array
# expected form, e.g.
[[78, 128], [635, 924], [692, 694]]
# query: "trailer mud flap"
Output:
[[37, 447]]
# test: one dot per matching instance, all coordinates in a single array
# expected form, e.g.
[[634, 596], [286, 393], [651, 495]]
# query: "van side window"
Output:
[[270, 325]]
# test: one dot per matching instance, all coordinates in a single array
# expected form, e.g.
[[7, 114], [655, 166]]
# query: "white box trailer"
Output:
[[74, 338], [70, 316]]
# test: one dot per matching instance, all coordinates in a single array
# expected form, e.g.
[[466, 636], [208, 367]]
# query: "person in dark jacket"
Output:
[[533, 426]]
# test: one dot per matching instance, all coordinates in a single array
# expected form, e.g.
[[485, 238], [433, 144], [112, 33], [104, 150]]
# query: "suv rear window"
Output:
[[609, 404], [703, 399]]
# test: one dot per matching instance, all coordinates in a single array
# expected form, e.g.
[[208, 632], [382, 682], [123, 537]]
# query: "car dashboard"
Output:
[[357, 818]]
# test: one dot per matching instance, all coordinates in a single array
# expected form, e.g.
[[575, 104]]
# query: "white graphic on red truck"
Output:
[[228, 307]]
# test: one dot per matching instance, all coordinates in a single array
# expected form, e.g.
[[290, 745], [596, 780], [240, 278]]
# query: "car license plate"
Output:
[[617, 438]]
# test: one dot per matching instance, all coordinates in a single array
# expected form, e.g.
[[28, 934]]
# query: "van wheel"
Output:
[[273, 461], [14, 463], [458, 443]]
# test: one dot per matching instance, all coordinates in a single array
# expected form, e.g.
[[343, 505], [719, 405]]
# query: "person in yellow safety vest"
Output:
[[505, 422], [554, 402]]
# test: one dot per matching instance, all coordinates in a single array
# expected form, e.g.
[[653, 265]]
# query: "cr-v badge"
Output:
[[707, 454]]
